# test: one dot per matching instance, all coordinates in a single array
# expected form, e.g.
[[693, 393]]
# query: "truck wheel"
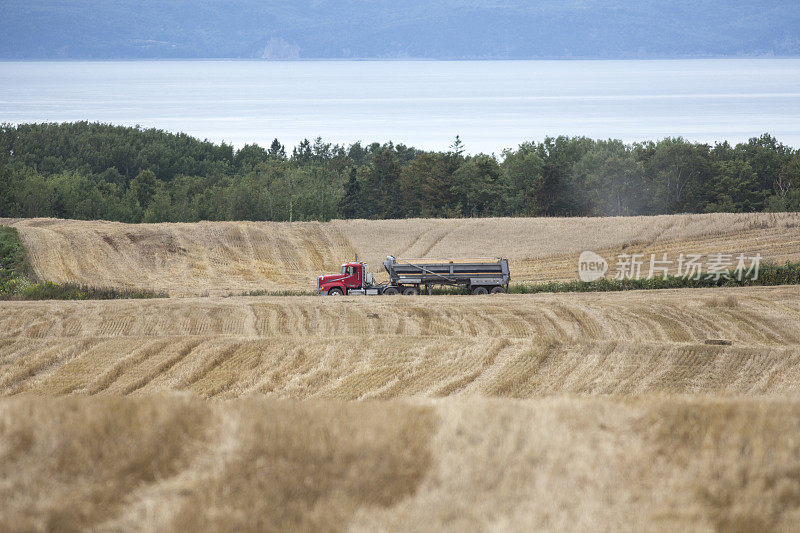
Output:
[[335, 292], [480, 290], [497, 290], [391, 291], [411, 291]]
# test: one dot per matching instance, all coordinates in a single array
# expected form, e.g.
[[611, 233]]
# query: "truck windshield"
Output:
[[344, 269]]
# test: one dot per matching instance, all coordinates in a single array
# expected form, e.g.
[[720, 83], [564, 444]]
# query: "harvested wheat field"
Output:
[[220, 258], [519, 346], [643, 410], [179, 463]]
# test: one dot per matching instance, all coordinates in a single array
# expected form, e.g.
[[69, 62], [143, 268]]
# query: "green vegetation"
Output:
[[47, 290], [287, 292], [15, 283], [97, 171], [13, 265], [768, 275]]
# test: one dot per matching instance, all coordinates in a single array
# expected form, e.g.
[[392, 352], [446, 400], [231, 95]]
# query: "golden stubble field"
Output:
[[222, 258], [356, 348], [663, 410]]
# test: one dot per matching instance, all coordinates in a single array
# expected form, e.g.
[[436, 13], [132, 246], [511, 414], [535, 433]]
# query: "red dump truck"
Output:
[[410, 276]]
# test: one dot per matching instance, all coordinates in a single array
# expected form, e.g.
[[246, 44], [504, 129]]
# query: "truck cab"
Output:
[[353, 279]]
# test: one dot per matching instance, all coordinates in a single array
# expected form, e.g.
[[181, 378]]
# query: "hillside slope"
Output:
[[448, 29], [177, 463], [221, 258], [181, 259], [641, 410], [519, 346]]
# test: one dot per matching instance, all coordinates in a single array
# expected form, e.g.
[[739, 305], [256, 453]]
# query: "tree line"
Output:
[[87, 170]]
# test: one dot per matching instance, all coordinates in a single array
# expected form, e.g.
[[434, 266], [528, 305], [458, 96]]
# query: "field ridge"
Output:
[[221, 258]]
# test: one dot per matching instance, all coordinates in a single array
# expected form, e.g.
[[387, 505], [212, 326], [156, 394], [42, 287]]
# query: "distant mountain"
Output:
[[443, 29]]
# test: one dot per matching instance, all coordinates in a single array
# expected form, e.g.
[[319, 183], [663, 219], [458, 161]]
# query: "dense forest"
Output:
[[98, 171], [445, 29]]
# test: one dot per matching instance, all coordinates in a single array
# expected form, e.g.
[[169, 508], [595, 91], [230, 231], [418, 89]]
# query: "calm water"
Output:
[[491, 104]]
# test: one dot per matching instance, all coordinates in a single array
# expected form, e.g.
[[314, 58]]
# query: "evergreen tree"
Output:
[[302, 152], [381, 185], [457, 147], [352, 204], [277, 150]]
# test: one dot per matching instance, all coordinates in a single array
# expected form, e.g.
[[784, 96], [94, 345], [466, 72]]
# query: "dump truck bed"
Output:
[[471, 271]]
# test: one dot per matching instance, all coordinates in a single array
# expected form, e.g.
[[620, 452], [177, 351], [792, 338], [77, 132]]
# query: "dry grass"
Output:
[[567, 464], [309, 466], [180, 259], [547, 249], [658, 410], [185, 465], [170, 463], [235, 257], [729, 300], [518, 346], [68, 464]]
